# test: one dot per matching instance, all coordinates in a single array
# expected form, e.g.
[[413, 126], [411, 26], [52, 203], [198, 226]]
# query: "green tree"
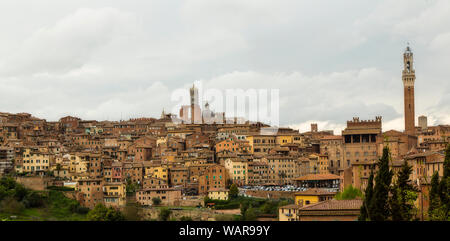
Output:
[[11, 206], [434, 199], [244, 206], [404, 194], [156, 201], [185, 218], [20, 192], [164, 214], [379, 206], [33, 199], [250, 214], [102, 213], [364, 213], [131, 186], [444, 186], [234, 191], [394, 202], [349, 193]]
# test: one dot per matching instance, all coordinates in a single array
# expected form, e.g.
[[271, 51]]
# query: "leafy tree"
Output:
[[131, 186], [3, 192], [11, 206], [234, 191], [244, 206], [156, 201], [114, 215], [185, 218], [364, 214], [20, 192], [8, 183], [349, 193], [269, 207], [379, 207], [102, 213], [250, 214], [33, 199], [164, 214]]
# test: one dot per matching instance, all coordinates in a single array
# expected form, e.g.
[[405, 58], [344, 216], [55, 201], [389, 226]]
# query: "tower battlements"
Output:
[[356, 122]]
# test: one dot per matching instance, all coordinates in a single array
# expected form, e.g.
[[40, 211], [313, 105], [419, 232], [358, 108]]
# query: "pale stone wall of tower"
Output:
[[423, 123]]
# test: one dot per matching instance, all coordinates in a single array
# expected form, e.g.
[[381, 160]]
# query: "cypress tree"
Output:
[[434, 197], [396, 208], [379, 206], [364, 214], [444, 186], [403, 195]]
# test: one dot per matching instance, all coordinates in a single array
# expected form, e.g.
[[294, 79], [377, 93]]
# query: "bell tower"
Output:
[[409, 77], [196, 117]]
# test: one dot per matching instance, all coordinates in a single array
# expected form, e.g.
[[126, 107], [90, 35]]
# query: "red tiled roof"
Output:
[[315, 191], [354, 204], [318, 177]]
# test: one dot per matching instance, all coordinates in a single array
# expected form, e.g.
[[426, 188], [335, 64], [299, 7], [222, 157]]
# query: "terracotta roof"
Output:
[[291, 206], [218, 190], [318, 177], [331, 138], [354, 204], [314, 192], [422, 154]]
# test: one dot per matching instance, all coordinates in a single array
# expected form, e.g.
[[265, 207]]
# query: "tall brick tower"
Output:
[[409, 77]]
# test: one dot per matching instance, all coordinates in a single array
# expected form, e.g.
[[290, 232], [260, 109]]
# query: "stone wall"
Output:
[[270, 194], [195, 214], [37, 183]]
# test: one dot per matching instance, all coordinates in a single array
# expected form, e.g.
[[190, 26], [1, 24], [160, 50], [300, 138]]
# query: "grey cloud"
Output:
[[331, 60]]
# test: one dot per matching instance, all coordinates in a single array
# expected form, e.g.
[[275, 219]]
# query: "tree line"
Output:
[[386, 198]]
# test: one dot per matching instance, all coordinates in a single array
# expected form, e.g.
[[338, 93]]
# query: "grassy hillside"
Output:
[[20, 203]]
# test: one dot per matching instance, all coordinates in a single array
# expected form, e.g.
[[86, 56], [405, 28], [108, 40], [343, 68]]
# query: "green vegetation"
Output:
[[131, 187], [131, 212], [234, 191], [26, 204], [185, 218], [404, 194], [250, 207], [156, 201], [368, 197], [102, 213], [164, 214], [379, 206], [349, 193], [58, 188], [440, 193], [383, 201], [227, 217]]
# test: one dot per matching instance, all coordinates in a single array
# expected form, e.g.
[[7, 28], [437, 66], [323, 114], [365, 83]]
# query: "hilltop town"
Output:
[[200, 155]]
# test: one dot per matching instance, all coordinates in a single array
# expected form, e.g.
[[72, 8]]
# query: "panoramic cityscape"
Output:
[[202, 165], [210, 111]]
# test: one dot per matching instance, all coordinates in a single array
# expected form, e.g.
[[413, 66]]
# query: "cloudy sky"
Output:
[[331, 60]]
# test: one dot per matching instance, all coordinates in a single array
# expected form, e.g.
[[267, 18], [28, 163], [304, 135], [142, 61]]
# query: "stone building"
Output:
[[332, 146], [362, 141]]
